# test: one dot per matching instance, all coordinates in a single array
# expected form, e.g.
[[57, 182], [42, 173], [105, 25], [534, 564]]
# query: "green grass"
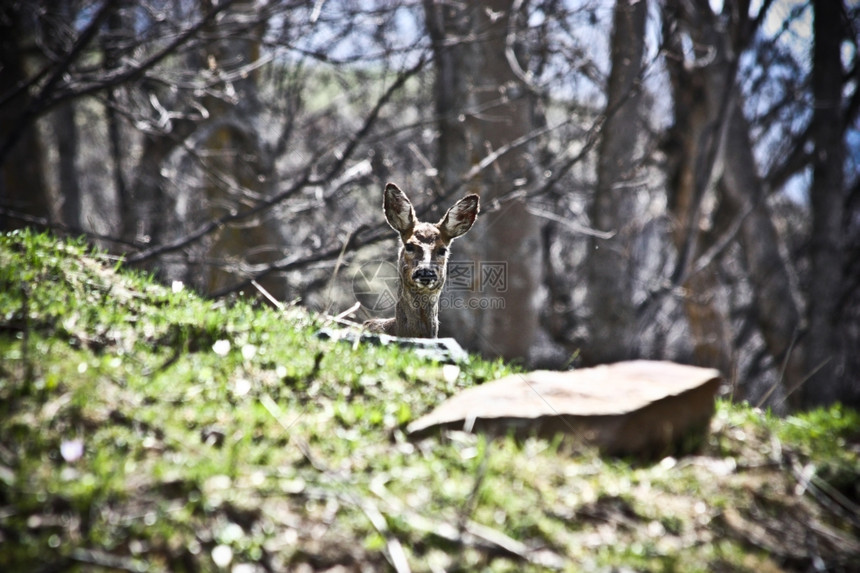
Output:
[[221, 435]]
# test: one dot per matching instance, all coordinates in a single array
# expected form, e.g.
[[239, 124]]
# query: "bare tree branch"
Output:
[[306, 179]]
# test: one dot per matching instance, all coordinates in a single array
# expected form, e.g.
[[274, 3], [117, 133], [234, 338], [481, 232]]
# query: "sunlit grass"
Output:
[[145, 428]]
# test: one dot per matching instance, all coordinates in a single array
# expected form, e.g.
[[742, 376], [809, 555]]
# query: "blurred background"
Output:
[[667, 179]]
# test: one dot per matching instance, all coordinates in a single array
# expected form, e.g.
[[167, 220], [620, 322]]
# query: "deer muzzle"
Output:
[[425, 276]]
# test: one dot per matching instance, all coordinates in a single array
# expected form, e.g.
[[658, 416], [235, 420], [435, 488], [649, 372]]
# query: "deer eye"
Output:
[[441, 251], [409, 248]]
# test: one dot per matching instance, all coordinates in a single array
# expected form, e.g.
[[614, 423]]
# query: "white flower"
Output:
[[222, 555], [177, 286], [450, 372], [242, 386], [249, 351], [72, 450], [221, 347]]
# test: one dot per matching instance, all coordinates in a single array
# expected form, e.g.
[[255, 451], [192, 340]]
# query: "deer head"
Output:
[[422, 262], [423, 255]]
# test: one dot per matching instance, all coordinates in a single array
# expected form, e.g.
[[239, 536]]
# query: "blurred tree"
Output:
[[715, 165], [117, 27], [614, 332], [238, 168], [172, 112], [22, 187], [483, 108], [230, 142], [58, 41], [825, 361]]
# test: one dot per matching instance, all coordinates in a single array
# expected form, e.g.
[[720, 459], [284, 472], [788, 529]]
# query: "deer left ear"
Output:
[[459, 218], [398, 210]]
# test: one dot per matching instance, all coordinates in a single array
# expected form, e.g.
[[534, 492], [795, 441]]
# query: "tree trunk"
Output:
[[613, 326], [22, 185], [716, 163], [237, 155], [688, 149], [776, 313], [68, 186], [825, 358], [66, 135], [117, 26], [147, 211], [483, 106]]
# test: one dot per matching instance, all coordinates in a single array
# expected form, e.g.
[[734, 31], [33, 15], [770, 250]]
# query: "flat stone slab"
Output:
[[639, 407], [444, 350]]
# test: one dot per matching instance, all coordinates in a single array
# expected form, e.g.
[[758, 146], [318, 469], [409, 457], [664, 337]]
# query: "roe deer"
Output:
[[422, 263]]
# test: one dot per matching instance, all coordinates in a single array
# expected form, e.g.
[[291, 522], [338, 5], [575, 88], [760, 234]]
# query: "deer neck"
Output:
[[417, 314]]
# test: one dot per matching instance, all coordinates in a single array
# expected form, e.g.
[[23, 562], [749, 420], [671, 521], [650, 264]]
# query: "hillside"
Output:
[[143, 428]]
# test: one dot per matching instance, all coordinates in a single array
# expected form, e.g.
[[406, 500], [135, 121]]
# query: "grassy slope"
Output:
[[286, 451]]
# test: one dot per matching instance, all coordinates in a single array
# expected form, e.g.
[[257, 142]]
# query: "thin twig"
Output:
[[827, 495], [267, 295], [395, 554], [341, 317], [708, 257], [782, 370], [469, 534], [575, 227], [805, 379], [337, 265], [104, 560], [25, 337], [469, 505]]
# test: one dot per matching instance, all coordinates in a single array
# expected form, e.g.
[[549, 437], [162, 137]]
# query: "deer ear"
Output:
[[398, 210], [459, 218]]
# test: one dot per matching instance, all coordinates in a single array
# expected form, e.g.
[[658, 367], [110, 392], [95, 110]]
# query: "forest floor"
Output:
[[143, 428]]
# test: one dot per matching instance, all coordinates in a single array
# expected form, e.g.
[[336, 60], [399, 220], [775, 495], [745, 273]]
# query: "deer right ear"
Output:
[[398, 210], [459, 218]]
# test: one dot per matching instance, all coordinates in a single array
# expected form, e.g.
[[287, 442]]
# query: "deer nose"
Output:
[[425, 276]]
